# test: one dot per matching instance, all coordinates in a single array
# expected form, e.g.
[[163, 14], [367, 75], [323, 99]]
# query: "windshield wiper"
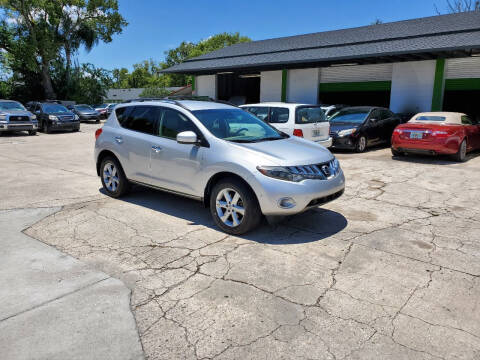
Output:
[[271, 138]]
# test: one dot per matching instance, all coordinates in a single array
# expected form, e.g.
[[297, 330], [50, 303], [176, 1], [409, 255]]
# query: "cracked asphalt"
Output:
[[390, 270]]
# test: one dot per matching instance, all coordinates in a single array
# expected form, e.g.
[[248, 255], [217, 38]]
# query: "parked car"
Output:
[[85, 112], [437, 133], [102, 109], [53, 116], [358, 127], [110, 108], [302, 120], [238, 165], [14, 117]]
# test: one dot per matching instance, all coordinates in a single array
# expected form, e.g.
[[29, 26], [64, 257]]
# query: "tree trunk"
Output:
[[47, 82], [68, 57]]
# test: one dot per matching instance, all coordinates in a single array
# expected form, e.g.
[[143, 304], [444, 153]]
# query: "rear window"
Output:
[[430, 118], [278, 115], [308, 115]]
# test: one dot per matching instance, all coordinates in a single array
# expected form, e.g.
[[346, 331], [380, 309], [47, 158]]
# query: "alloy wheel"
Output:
[[230, 207], [110, 177], [463, 150], [362, 143]]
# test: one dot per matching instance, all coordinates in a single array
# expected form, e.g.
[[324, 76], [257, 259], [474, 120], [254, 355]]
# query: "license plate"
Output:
[[316, 133], [416, 135]]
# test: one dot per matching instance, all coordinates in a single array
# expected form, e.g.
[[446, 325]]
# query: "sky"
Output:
[[157, 25]]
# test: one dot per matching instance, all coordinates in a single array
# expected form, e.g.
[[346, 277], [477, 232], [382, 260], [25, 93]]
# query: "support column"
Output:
[[206, 85], [284, 85], [438, 85]]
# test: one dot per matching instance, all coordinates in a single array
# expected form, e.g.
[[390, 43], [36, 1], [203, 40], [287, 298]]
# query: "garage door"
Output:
[[356, 85], [462, 86]]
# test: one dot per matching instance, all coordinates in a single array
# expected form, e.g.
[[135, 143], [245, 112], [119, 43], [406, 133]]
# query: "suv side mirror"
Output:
[[187, 137], [373, 120]]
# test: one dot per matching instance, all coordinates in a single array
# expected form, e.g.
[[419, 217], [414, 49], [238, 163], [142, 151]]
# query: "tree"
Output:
[[37, 31], [154, 92], [458, 6], [188, 50]]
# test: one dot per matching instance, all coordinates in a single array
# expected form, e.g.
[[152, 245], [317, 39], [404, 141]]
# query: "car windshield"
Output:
[[11, 105], [311, 114], [54, 108], [84, 108], [349, 116], [430, 118], [237, 125], [101, 106]]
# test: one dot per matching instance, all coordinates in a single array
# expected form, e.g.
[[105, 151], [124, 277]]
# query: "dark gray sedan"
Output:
[[86, 112]]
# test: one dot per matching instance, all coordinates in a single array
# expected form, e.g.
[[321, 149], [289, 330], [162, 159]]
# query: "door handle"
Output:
[[157, 149], [118, 139]]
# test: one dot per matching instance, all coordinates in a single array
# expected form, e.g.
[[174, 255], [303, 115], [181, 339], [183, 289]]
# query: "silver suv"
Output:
[[238, 165], [14, 117]]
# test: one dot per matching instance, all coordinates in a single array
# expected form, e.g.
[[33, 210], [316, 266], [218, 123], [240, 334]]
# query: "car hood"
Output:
[[16, 112], [335, 128], [287, 152]]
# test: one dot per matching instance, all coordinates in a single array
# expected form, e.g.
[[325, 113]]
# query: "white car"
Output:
[[302, 120]]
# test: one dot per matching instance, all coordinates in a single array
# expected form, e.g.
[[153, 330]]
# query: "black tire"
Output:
[[47, 129], [397, 153], [361, 144], [32, 132], [123, 184], [97, 121], [461, 154], [252, 215]]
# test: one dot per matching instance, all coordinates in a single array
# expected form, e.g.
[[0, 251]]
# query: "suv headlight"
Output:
[[346, 132], [3, 117], [280, 172], [33, 117], [53, 117], [77, 117]]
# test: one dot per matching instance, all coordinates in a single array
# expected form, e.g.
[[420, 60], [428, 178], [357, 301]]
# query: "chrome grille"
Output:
[[66, 117], [315, 171]]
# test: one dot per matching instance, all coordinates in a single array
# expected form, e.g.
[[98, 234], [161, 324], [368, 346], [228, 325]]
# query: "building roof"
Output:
[[452, 35]]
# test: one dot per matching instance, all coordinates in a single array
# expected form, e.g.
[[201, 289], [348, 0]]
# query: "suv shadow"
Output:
[[282, 233]]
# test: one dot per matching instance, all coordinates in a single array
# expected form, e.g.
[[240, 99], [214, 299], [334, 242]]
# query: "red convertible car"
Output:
[[437, 133]]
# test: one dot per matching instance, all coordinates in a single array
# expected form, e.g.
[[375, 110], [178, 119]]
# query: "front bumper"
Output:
[[20, 126], [89, 118], [345, 142], [65, 125], [306, 194]]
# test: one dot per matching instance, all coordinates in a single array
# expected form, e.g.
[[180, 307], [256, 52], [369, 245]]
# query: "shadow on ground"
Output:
[[284, 231], [434, 159]]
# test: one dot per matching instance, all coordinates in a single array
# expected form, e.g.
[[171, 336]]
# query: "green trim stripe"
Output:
[[284, 85], [355, 86], [193, 83], [462, 84], [437, 98]]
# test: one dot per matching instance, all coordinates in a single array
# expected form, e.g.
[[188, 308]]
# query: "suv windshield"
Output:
[[54, 108], [310, 114], [350, 116], [11, 105], [237, 125], [83, 108]]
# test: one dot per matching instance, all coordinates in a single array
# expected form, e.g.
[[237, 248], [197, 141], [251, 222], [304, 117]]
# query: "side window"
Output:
[[173, 122], [466, 120], [260, 112], [141, 119], [375, 115], [120, 113], [278, 115]]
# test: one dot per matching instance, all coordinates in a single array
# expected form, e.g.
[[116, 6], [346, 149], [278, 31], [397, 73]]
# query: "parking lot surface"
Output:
[[389, 270]]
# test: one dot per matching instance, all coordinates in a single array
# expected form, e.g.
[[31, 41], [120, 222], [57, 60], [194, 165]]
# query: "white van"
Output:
[[303, 120]]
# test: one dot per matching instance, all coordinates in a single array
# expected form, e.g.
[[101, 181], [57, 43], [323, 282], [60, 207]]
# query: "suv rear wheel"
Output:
[[234, 207], [113, 178]]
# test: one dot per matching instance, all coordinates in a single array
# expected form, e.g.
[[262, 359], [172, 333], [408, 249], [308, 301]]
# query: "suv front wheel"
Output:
[[234, 207]]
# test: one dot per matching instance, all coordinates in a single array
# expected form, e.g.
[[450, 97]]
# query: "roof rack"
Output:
[[175, 100]]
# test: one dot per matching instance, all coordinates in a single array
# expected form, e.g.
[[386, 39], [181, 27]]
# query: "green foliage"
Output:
[[148, 73], [154, 92], [35, 34]]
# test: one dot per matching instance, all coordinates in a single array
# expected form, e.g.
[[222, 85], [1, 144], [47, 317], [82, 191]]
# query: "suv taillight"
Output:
[[98, 132], [298, 132]]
